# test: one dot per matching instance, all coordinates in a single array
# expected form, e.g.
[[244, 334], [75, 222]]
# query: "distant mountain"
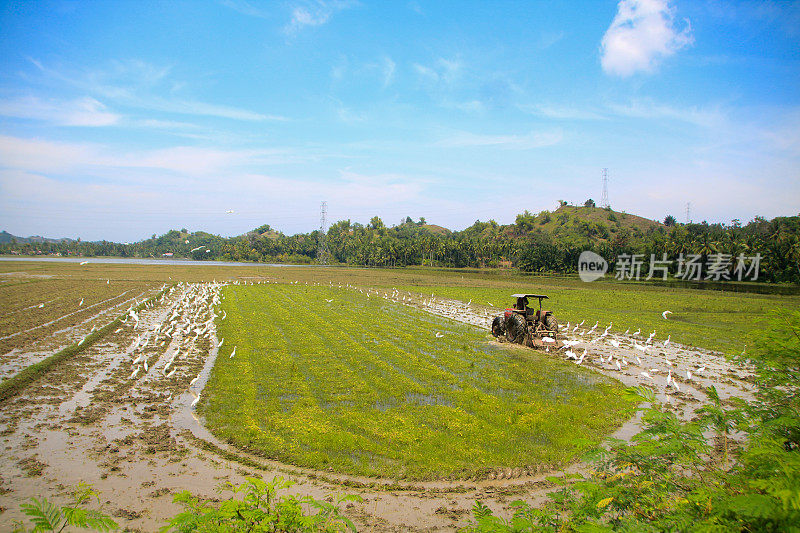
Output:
[[6, 237]]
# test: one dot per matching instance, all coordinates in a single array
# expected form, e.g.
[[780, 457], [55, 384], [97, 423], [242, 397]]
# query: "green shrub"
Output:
[[260, 508]]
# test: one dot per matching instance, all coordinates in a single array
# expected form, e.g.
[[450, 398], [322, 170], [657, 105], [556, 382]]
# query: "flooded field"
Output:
[[122, 414]]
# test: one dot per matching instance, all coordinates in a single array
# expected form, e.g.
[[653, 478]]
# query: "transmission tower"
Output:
[[688, 212], [323, 255], [604, 199]]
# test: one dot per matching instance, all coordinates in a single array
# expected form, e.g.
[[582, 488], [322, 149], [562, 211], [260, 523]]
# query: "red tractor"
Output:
[[536, 328]]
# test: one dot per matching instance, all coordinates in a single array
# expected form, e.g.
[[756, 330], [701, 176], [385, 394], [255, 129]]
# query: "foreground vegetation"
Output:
[[331, 378], [674, 477], [543, 242]]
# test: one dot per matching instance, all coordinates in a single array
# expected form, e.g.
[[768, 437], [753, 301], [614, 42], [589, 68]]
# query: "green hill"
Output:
[[594, 224]]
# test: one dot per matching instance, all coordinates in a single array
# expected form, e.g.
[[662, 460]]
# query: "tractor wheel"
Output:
[[551, 323], [516, 329], [497, 326]]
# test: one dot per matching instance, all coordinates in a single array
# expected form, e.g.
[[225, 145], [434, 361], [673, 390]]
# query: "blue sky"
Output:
[[122, 119]]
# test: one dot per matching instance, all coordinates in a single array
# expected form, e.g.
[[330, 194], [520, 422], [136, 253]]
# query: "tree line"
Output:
[[547, 242]]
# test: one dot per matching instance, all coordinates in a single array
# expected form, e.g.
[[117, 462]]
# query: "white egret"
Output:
[[665, 313]]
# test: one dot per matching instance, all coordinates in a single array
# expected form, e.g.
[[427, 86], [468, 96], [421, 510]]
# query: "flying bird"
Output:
[[84, 262], [194, 249], [439, 335]]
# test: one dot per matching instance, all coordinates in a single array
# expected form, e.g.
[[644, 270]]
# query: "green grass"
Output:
[[363, 386], [722, 321]]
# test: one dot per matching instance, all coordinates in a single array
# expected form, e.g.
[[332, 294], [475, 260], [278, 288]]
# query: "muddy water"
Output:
[[136, 438]]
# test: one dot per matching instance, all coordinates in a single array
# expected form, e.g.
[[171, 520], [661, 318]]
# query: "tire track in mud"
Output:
[[16, 359]]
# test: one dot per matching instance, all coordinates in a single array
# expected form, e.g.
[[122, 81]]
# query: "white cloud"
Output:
[[641, 34], [442, 71], [648, 109], [245, 8], [35, 155], [509, 142], [316, 13], [80, 112], [388, 71], [135, 83], [562, 112]]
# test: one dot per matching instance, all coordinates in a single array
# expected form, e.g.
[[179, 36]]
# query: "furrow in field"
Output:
[[365, 386]]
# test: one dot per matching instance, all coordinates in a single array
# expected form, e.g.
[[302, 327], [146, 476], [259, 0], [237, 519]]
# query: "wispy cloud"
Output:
[[315, 13], [79, 112], [563, 112], [61, 158], [245, 8], [388, 70], [641, 34], [192, 107], [534, 139], [647, 109], [443, 71], [142, 85]]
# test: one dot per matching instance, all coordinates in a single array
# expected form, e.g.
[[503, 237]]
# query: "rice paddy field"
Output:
[[334, 373], [330, 378]]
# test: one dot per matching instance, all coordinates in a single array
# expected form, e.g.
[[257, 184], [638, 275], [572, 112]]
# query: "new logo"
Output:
[[591, 266]]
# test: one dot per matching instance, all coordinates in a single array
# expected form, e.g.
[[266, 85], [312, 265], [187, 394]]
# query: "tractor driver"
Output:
[[522, 304]]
